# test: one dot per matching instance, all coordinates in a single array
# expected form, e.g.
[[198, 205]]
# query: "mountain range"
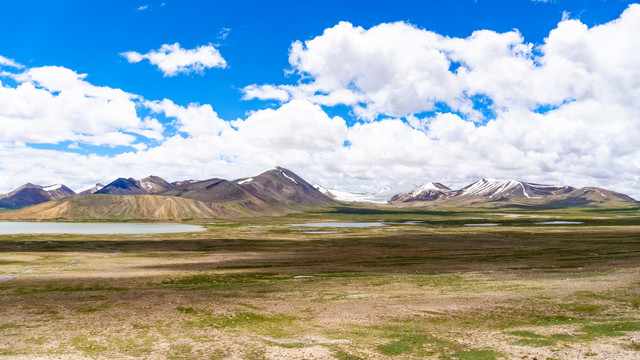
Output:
[[489, 191], [274, 191]]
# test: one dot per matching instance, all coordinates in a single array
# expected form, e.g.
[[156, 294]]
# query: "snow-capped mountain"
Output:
[[149, 185], [510, 189], [282, 185], [155, 184], [427, 192], [30, 194], [492, 190], [278, 190], [183, 182], [122, 186]]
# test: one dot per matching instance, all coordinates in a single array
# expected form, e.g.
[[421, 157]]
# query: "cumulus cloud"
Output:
[[265, 92], [172, 59], [52, 104], [298, 124], [563, 111], [194, 120], [398, 69]]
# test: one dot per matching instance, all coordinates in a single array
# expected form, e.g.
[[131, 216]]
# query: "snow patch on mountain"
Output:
[[290, 178], [147, 185], [428, 187], [52, 187], [489, 187]]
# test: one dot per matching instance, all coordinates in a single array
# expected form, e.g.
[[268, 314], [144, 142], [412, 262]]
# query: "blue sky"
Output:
[[255, 40]]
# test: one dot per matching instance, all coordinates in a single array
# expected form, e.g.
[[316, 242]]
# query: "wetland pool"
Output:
[[24, 227]]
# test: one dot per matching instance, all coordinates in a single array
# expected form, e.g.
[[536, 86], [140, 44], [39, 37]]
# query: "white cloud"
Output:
[[173, 60], [53, 104], [142, 7], [586, 82], [296, 125], [265, 92], [399, 70], [195, 119], [10, 62], [224, 33]]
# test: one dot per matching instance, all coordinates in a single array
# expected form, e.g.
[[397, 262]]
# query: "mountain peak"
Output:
[[122, 186], [426, 192], [30, 194], [284, 185], [154, 184]]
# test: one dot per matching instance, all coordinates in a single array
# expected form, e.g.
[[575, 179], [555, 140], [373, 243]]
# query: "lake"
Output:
[[94, 228], [560, 223]]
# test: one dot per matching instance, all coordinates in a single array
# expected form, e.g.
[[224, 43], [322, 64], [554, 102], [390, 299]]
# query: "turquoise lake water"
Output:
[[94, 228]]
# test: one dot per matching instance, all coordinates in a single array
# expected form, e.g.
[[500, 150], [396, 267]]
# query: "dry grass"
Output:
[[401, 291]]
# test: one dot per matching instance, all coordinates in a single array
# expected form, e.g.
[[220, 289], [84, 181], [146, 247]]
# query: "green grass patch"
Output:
[[439, 281], [65, 288], [343, 355], [582, 308], [137, 346], [230, 282], [187, 310], [92, 309], [562, 337], [277, 325], [610, 329], [8, 352], [408, 343], [87, 345], [526, 334], [39, 340], [529, 338], [535, 342], [395, 348], [293, 345], [474, 354], [9, 326], [180, 352]]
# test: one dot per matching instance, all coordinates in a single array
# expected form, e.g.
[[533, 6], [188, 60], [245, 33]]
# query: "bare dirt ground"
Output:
[[247, 291]]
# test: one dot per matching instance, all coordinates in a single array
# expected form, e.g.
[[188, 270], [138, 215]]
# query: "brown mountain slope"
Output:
[[122, 186], [123, 207], [30, 194], [281, 185], [154, 184], [212, 190]]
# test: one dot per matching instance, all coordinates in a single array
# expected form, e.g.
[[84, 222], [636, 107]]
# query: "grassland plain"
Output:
[[424, 286]]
